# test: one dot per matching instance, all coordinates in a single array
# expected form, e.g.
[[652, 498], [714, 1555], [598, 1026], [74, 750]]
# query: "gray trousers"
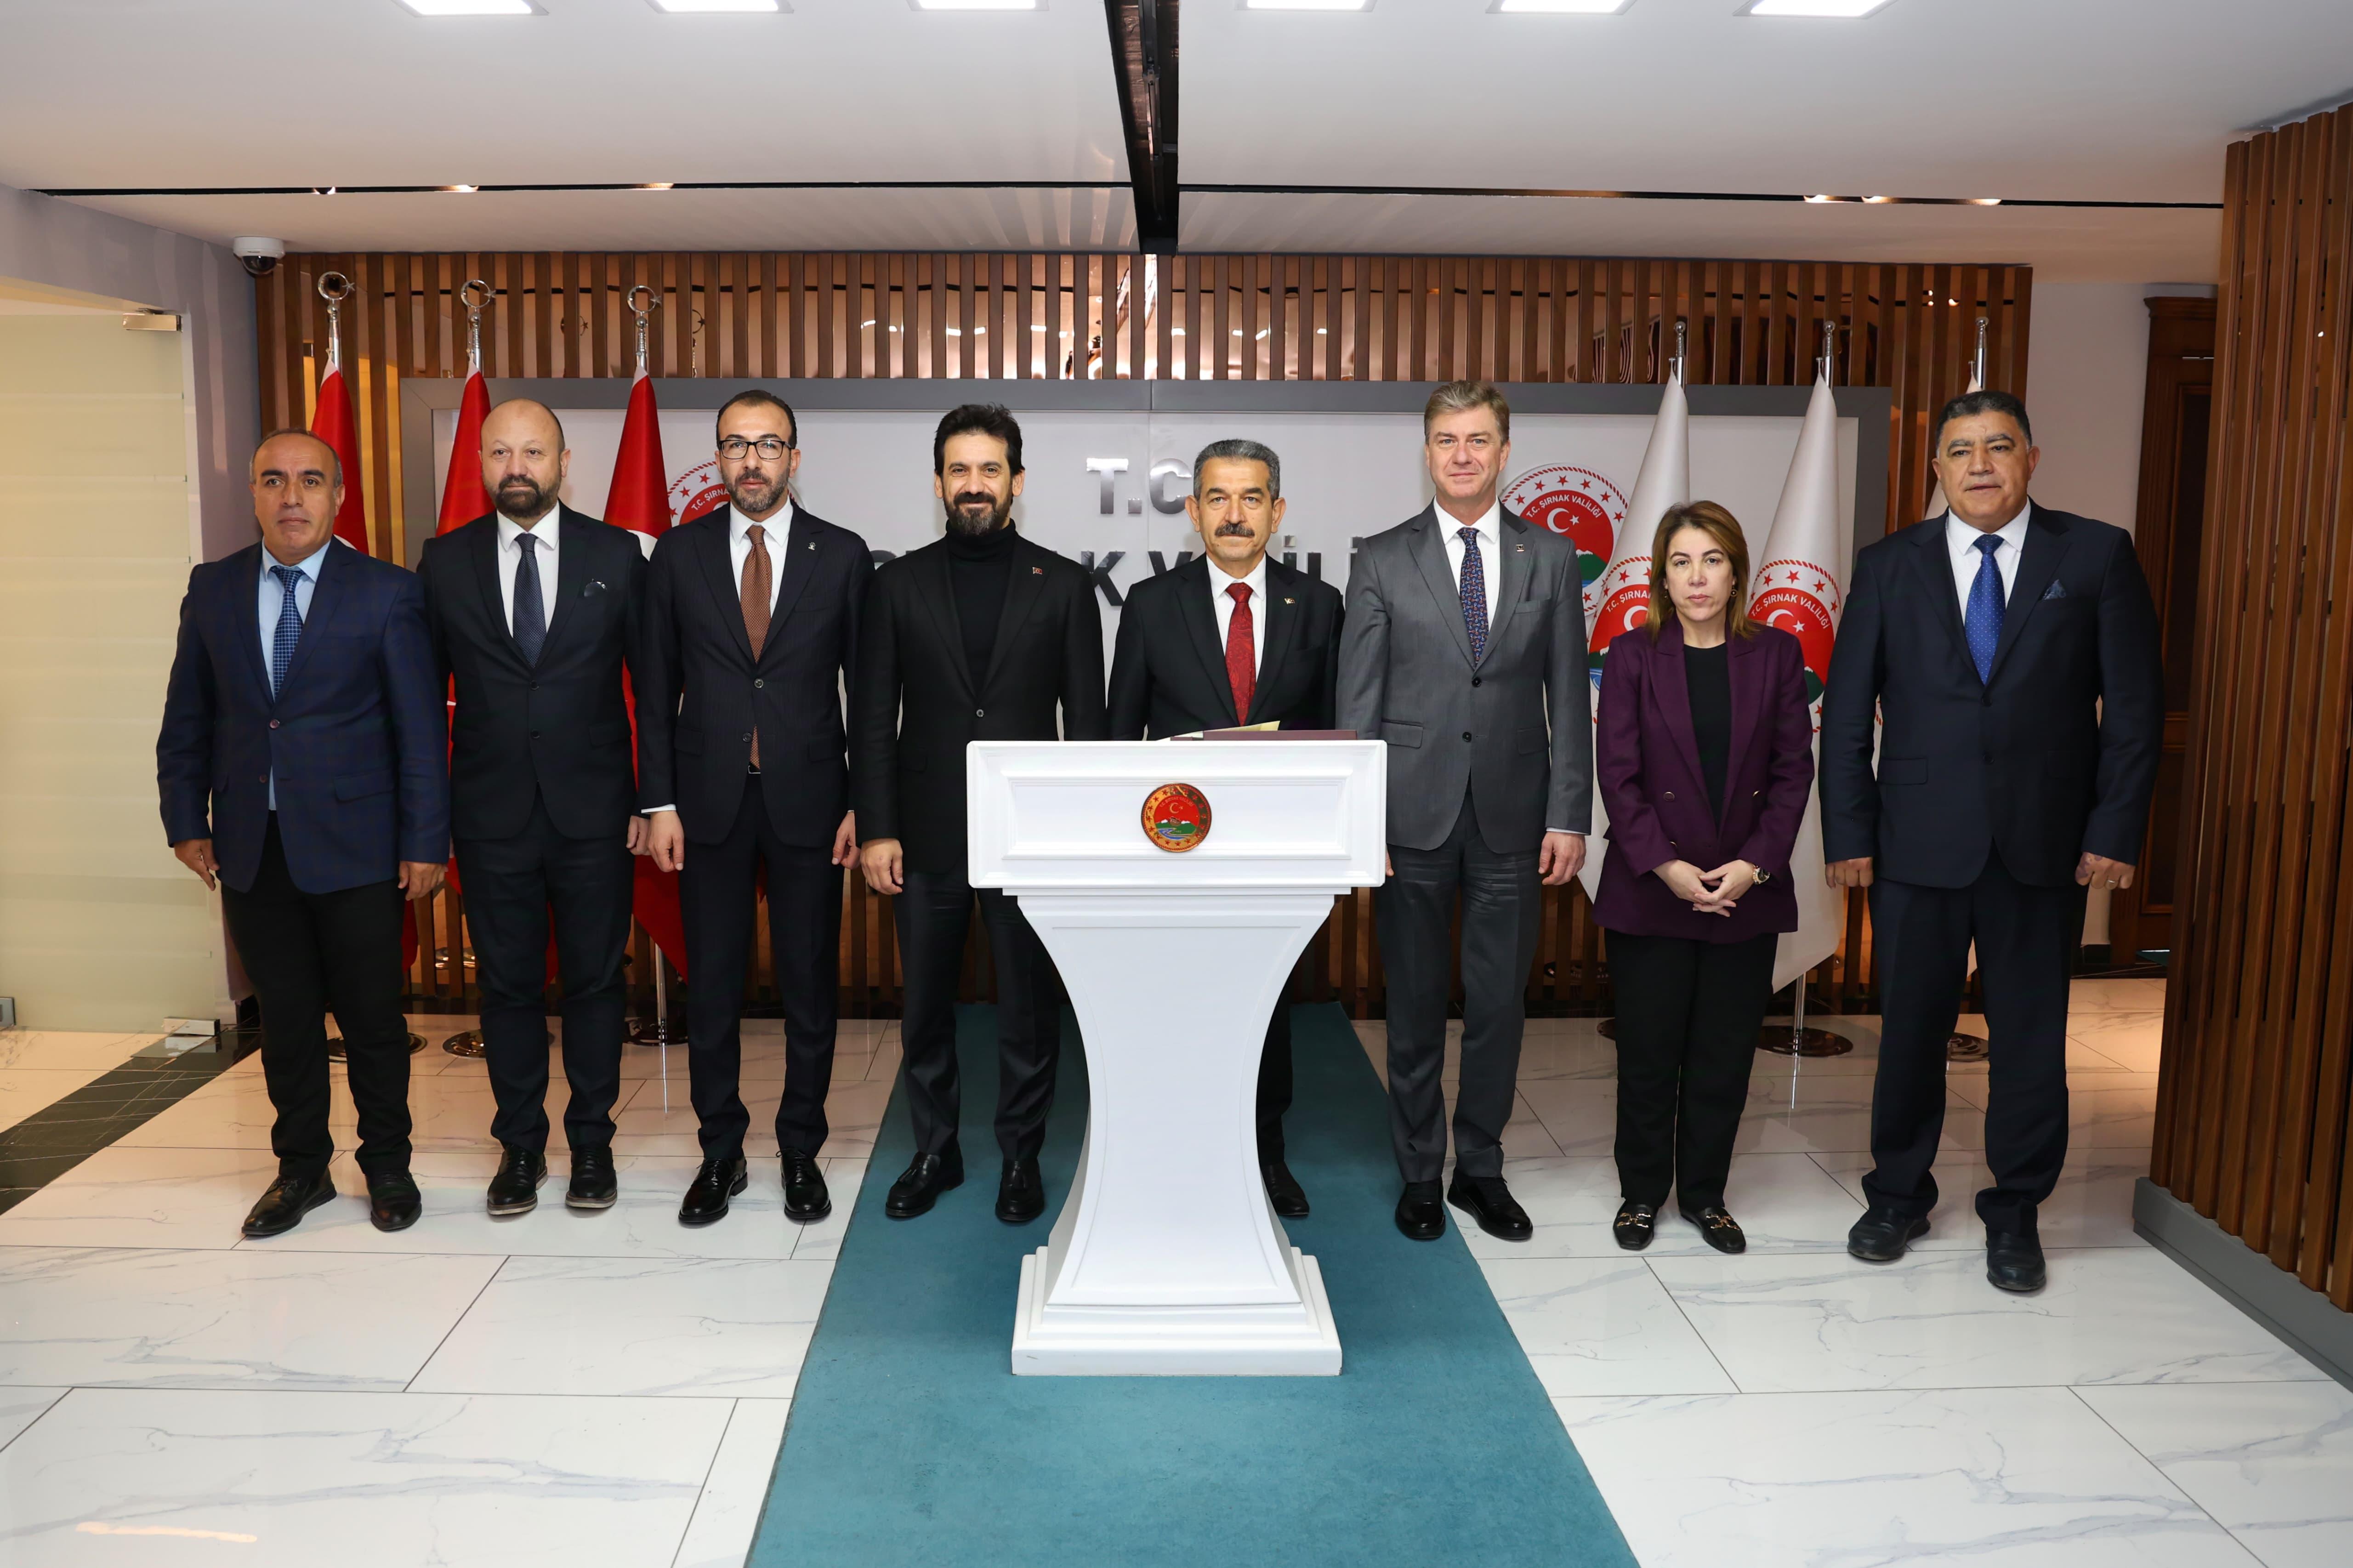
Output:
[[1502, 916]]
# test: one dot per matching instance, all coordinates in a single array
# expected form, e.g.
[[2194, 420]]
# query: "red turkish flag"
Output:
[[639, 501], [332, 423], [463, 498]]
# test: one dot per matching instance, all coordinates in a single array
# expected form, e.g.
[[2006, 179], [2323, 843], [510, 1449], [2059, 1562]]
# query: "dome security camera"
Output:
[[259, 253]]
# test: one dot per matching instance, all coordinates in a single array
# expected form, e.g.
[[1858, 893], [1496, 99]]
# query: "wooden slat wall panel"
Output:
[[1372, 318], [2256, 1086]]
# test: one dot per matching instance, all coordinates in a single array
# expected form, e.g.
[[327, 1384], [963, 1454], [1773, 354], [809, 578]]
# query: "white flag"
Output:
[[1801, 589], [1622, 592]]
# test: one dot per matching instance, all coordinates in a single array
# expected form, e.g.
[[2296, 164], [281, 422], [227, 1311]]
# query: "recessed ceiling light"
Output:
[[473, 7], [974, 5], [1848, 8], [683, 6], [1307, 4], [1560, 7]]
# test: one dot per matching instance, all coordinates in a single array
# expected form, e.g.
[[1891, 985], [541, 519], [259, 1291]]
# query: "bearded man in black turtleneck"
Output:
[[980, 637]]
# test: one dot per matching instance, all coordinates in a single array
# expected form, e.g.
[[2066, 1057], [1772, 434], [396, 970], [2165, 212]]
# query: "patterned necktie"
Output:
[[530, 612], [289, 625], [1474, 594], [1984, 624], [754, 594], [1242, 660]]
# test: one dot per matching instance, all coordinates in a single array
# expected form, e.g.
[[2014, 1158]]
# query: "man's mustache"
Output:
[[979, 498], [1234, 530]]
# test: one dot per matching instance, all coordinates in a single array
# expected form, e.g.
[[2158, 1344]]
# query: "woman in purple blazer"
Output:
[[1704, 752]]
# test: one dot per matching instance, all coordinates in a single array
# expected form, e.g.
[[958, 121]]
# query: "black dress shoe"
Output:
[[2014, 1262], [515, 1189], [394, 1202], [1635, 1225], [593, 1185], [1717, 1227], [281, 1209], [1282, 1189], [919, 1186], [1881, 1235], [1020, 1193], [805, 1199], [1487, 1200], [1420, 1213], [713, 1184]]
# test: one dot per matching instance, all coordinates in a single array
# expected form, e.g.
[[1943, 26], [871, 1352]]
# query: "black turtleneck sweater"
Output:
[[979, 569]]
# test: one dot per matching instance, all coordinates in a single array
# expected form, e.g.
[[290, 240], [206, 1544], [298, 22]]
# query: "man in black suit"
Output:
[[1233, 638], [533, 610], [751, 622], [980, 637], [304, 772], [2010, 652]]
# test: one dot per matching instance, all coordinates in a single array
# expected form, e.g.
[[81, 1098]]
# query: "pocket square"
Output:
[[591, 589], [2057, 590]]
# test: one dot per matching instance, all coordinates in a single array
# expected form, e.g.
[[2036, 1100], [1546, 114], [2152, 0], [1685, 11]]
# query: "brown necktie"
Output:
[[753, 596]]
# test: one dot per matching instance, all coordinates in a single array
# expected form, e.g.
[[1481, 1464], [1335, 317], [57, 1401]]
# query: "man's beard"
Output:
[[755, 492], [971, 526], [521, 498]]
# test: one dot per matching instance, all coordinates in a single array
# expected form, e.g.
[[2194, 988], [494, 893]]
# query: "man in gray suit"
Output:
[[1464, 649]]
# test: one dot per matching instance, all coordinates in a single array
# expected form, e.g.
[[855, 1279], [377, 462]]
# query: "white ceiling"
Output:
[[2069, 100]]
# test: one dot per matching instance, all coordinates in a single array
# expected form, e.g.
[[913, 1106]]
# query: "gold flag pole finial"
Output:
[[335, 289], [653, 302], [476, 296]]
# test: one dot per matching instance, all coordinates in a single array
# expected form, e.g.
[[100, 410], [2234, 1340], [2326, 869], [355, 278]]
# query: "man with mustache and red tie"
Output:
[[750, 620], [1233, 638]]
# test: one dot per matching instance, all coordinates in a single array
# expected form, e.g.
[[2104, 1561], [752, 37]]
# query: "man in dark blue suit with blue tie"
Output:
[[303, 767], [2010, 652]]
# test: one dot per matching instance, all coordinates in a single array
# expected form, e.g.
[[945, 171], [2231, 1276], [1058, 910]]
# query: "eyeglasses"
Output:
[[733, 447]]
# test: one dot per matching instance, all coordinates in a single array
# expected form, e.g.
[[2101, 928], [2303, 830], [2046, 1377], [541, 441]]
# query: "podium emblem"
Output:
[[1176, 817]]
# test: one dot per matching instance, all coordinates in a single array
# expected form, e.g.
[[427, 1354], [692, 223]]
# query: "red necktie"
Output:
[[1241, 661]]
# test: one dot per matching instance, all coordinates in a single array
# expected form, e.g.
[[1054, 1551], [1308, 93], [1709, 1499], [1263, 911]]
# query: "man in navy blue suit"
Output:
[[303, 767], [2010, 651]]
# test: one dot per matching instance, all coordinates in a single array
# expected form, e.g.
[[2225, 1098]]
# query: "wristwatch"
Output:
[[1763, 875]]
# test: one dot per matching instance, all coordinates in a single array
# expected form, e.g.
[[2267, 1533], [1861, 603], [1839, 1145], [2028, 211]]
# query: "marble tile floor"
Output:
[[613, 1388], [1795, 1406]]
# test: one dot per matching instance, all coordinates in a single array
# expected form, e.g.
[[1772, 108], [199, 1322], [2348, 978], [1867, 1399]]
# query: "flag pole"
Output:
[[335, 289], [1681, 329], [1798, 1041], [1977, 362], [657, 1031]]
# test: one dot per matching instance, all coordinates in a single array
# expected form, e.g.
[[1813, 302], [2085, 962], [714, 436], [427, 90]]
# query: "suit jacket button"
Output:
[[1474, 680], [747, 737], [1671, 794], [1466, 734], [980, 712], [535, 734], [273, 723], [263, 778], [758, 685]]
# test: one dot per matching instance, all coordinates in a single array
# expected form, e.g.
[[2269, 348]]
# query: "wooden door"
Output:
[[2175, 426]]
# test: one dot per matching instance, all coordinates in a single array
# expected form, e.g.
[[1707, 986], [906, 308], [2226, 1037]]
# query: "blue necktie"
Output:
[[289, 625], [530, 615], [1984, 624], [1474, 594]]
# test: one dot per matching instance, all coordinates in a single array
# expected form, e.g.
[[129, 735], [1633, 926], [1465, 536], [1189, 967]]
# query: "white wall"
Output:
[[2087, 373]]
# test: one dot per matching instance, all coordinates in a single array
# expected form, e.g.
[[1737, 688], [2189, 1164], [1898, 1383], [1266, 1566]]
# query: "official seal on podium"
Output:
[[1176, 817]]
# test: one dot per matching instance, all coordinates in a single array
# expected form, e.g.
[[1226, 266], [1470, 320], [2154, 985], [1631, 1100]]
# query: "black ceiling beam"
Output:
[[1144, 63]]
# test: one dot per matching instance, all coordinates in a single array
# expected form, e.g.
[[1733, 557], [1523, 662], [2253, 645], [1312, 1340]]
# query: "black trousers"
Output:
[[510, 887], [1688, 1016], [718, 890], [1414, 913], [2026, 938], [306, 954], [1274, 1082], [933, 914]]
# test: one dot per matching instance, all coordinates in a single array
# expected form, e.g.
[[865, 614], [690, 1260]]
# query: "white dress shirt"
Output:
[[774, 532], [544, 528], [1490, 545], [272, 604], [1222, 604], [1961, 541]]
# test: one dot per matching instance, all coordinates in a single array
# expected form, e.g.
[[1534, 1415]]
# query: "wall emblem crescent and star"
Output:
[[1176, 817]]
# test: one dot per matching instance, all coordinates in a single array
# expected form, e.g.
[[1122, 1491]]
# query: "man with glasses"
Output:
[[750, 622]]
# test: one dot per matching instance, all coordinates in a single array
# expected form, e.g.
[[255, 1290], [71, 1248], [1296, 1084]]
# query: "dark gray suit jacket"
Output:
[[1515, 729]]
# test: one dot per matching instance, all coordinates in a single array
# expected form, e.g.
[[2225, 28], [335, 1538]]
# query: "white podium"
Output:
[[1167, 1258]]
